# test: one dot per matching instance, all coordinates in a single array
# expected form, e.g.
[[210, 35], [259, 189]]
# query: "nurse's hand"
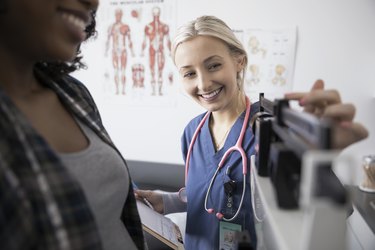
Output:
[[327, 104], [155, 198]]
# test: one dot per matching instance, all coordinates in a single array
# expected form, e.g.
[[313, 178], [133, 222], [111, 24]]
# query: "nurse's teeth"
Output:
[[211, 94]]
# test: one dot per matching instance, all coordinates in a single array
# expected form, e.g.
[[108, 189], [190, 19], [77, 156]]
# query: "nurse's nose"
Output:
[[203, 82]]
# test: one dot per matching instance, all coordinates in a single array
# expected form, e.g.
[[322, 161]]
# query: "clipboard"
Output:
[[160, 227]]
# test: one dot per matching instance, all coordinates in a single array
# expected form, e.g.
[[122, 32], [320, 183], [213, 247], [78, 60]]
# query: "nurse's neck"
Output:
[[227, 117]]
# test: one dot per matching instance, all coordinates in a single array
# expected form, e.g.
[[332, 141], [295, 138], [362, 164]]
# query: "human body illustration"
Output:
[[119, 36], [138, 76], [255, 48], [279, 75], [156, 33], [254, 72]]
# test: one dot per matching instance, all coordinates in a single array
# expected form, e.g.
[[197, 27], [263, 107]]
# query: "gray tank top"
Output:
[[105, 181]]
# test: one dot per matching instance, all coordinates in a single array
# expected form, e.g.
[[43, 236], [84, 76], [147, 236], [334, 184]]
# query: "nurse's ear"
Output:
[[240, 62]]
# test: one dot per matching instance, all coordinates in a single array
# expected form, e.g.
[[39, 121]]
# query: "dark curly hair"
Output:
[[62, 68]]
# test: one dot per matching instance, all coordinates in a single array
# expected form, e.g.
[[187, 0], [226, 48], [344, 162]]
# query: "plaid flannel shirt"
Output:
[[41, 205]]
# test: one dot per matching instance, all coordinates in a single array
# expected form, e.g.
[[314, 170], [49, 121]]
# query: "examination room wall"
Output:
[[335, 42]]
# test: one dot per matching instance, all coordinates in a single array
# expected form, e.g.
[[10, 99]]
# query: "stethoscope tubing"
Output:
[[236, 147], [200, 125]]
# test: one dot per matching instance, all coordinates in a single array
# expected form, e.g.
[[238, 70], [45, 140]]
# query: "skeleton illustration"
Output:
[[279, 78], [255, 48], [254, 71]]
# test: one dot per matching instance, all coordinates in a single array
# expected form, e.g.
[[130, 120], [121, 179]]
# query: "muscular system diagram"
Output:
[[138, 76], [118, 37], [156, 33]]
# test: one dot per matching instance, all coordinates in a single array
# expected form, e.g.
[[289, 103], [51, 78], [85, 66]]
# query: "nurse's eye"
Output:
[[188, 74], [214, 66]]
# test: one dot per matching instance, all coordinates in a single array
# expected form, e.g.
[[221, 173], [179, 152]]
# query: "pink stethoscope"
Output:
[[236, 147]]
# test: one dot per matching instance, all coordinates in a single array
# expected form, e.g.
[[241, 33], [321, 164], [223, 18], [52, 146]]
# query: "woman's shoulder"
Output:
[[191, 127], [254, 108], [193, 123], [189, 131]]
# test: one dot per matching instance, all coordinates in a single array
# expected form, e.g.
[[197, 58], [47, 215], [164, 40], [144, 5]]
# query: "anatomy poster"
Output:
[[136, 47], [271, 61]]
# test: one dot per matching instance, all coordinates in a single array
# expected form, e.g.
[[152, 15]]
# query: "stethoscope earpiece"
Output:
[[210, 210]]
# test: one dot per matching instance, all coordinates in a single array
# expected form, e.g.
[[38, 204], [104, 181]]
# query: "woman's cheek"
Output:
[[189, 89]]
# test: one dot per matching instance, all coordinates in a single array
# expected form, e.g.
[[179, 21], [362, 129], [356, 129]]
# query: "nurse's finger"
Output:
[[348, 133], [295, 95], [140, 194], [318, 85], [340, 112], [153, 197], [299, 96], [321, 98]]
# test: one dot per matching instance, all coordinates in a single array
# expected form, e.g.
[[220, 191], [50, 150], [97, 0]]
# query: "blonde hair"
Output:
[[214, 27]]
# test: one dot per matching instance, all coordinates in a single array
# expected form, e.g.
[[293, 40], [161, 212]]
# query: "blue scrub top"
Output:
[[202, 229]]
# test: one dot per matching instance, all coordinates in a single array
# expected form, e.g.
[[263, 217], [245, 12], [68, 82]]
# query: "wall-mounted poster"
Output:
[[271, 61], [136, 46]]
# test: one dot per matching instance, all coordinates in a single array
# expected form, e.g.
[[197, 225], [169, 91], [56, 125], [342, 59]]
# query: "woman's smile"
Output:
[[211, 95], [76, 23]]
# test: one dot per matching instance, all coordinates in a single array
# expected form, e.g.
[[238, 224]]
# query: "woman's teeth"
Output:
[[211, 94], [76, 21]]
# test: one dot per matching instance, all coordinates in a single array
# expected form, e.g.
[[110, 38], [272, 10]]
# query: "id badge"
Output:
[[227, 235]]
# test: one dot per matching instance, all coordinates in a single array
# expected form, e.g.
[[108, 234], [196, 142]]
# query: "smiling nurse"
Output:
[[217, 144]]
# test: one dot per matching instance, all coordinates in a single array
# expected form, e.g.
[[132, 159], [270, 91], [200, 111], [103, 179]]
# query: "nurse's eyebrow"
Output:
[[184, 67], [205, 61], [212, 58]]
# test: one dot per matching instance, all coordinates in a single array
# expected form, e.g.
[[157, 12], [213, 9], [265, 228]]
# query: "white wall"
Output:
[[336, 42]]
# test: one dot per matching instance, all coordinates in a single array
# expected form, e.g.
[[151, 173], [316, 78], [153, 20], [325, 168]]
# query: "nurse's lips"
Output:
[[212, 94]]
